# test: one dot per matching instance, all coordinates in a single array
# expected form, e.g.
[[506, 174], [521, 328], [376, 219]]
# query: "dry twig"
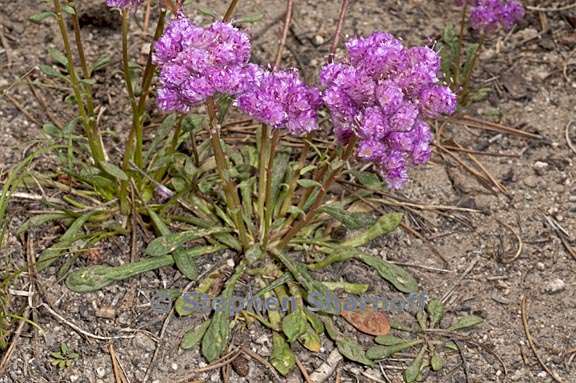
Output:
[[524, 309]]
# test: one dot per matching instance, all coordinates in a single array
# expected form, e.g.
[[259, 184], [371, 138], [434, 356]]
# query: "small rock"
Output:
[[174, 366], [101, 372], [531, 181], [540, 167], [319, 40], [106, 312], [540, 266], [555, 286], [143, 342], [74, 378]]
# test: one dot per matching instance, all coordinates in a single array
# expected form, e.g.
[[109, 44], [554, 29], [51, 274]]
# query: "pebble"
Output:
[[101, 372], [531, 181], [143, 342], [540, 167], [555, 286], [319, 40], [540, 266], [74, 378], [106, 312]]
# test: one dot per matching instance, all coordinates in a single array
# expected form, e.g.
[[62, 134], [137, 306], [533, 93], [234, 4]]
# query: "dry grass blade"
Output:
[[562, 235], [472, 122], [524, 309], [15, 337], [497, 184], [303, 371], [263, 362], [567, 134], [518, 239], [117, 369], [481, 177], [223, 361], [414, 233]]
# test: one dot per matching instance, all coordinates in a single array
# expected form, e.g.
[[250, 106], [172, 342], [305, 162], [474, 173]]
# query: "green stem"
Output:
[[461, 43], [294, 180], [466, 85], [263, 156], [232, 198], [319, 198], [269, 208], [95, 144]]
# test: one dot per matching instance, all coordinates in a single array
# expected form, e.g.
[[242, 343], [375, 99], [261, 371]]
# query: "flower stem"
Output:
[[294, 180], [345, 156], [94, 142], [230, 11], [336, 40], [232, 198], [460, 43], [466, 85], [264, 144], [269, 198]]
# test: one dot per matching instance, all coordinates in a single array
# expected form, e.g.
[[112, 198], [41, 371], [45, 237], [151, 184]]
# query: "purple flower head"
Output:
[[436, 100], [487, 15], [196, 63], [283, 101], [381, 95], [123, 3]]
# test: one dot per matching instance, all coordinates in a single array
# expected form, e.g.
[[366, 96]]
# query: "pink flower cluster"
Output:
[[282, 100], [123, 3], [381, 95], [488, 15], [196, 63]]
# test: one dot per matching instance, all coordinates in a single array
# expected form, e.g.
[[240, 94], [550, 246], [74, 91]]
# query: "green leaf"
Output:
[[101, 63], [353, 221], [311, 340], [185, 264], [39, 220], [347, 347], [350, 288], [217, 336], [369, 180], [58, 56], [435, 310], [421, 319], [385, 224], [282, 357], [413, 371], [466, 322], [389, 340], [68, 9], [382, 352], [50, 71], [52, 130], [338, 255], [168, 243], [39, 17], [308, 183], [193, 337], [397, 276], [93, 278], [160, 226], [436, 362], [50, 255], [114, 171], [294, 325]]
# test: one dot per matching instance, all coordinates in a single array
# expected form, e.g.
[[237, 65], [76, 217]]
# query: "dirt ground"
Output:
[[532, 75]]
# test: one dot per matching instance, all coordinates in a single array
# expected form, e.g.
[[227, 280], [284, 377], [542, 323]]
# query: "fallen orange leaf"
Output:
[[369, 322]]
